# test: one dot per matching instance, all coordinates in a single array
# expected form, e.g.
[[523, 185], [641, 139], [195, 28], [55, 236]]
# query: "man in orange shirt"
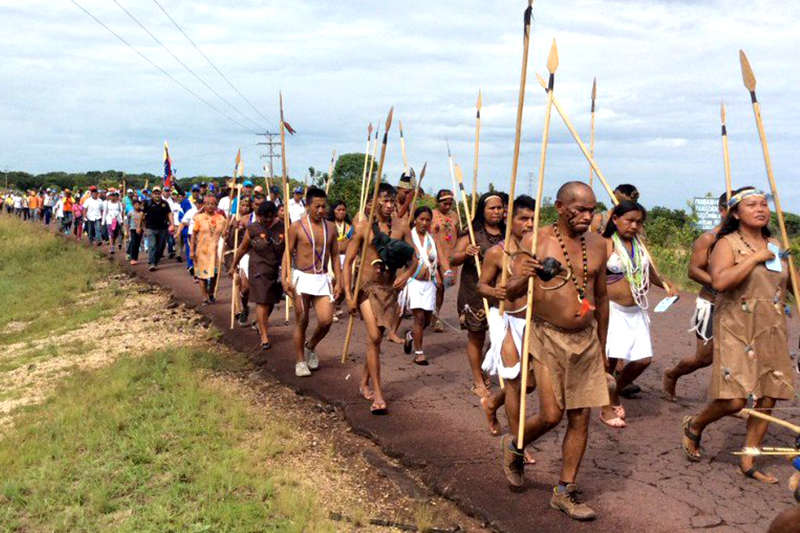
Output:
[[33, 206], [66, 207]]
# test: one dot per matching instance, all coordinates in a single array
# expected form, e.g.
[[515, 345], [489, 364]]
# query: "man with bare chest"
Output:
[[312, 244], [567, 341], [376, 300]]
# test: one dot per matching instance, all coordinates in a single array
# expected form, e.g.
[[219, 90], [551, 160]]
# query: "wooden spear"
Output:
[[552, 66], [517, 137], [597, 170], [330, 172], [364, 172], [453, 178], [287, 259], [770, 418], [234, 290], [403, 148], [471, 213], [416, 192], [460, 178], [591, 133], [365, 191], [750, 82], [364, 245], [726, 158]]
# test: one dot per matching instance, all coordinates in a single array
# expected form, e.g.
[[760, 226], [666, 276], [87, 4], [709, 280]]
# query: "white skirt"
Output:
[[499, 326], [418, 295], [244, 265], [628, 333], [311, 284]]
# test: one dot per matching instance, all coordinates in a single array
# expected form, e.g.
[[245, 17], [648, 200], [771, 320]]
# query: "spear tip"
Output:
[[369, 130], [552, 58], [530, 3], [747, 73], [722, 111], [422, 173], [459, 174], [480, 100], [401, 127], [594, 89], [541, 81], [389, 120]]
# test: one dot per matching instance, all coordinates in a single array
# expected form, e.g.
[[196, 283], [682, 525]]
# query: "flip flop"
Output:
[[421, 362], [615, 423], [619, 411], [266, 346], [407, 342], [687, 433], [378, 408], [366, 394], [753, 473]]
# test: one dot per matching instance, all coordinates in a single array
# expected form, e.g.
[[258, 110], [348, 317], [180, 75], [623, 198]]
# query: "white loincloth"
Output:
[[418, 295], [499, 326], [703, 320], [244, 265], [311, 284], [628, 333]]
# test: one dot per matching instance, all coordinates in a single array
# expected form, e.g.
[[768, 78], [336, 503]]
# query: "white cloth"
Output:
[[93, 208], [702, 320], [499, 326], [418, 295], [311, 284], [225, 205], [112, 211], [58, 210], [188, 217], [296, 210], [244, 264], [628, 333]]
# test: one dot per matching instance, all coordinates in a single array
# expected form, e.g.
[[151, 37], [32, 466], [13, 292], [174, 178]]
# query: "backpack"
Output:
[[395, 253]]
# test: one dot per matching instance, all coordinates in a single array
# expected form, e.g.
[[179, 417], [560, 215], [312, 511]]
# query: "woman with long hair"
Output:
[[264, 243], [344, 234], [444, 229], [419, 282], [629, 274], [489, 228], [751, 352], [209, 227]]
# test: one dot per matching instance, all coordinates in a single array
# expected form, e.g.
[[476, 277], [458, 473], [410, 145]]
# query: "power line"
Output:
[[213, 65], [164, 72], [201, 80]]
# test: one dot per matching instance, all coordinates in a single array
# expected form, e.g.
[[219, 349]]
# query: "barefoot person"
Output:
[[419, 282], [489, 230], [376, 300], [313, 244], [445, 232], [263, 244], [568, 336], [628, 275], [751, 353], [703, 318], [209, 227], [344, 234]]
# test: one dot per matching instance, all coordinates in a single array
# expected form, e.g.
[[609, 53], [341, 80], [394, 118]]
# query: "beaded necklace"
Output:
[[636, 269], [741, 236], [585, 305]]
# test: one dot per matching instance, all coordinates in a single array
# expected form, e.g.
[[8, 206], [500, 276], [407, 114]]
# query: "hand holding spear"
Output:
[[750, 82]]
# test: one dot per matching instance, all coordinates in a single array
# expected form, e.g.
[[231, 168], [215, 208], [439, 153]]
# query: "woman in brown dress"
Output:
[[209, 226], [264, 241], [751, 354]]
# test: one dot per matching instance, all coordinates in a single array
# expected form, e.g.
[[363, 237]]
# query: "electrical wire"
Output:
[[164, 72], [213, 65], [192, 72]]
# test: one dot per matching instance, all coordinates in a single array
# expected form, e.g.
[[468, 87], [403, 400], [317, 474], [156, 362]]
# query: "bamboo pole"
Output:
[[750, 82], [770, 418], [416, 191], [369, 174], [552, 66], [726, 158], [363, 257], [234, 291], [517, 138], [453, 179], [287, 259], [598, 172], [330, 172], [364, 172], [591, 133], [471, 213]]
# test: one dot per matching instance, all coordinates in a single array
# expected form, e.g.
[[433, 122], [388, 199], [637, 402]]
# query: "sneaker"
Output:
[[571, 502], [243, 318], [438, 327], [513, 463], [311, 357], [301, 370]]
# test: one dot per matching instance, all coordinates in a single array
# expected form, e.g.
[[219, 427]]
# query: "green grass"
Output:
[[45, 282], [148, 445]]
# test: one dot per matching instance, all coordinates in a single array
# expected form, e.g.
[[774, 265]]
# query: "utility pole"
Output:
[[271, 145]]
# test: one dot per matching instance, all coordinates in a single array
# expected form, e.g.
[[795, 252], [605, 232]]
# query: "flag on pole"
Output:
[[168, 175], [238, 170]]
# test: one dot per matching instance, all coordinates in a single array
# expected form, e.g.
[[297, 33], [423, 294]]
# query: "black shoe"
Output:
[[152, 268], [243, 318], [630, 390], [172, 256], [179, 259]]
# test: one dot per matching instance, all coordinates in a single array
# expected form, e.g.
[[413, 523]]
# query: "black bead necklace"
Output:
[[581, 290]]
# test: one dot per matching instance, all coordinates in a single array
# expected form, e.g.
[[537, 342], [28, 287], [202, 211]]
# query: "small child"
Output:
[[134, 223]]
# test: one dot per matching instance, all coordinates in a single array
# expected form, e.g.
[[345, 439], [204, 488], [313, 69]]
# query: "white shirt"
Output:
[[93, 208], [112, 211], [58, 210], [225, 205], [296, 210], [18, 202], [188, 217]]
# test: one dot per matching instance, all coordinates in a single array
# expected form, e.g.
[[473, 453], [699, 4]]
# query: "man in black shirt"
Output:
[[158, 223]]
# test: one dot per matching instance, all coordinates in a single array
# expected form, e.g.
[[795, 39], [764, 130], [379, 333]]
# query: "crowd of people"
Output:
[[589, 337]]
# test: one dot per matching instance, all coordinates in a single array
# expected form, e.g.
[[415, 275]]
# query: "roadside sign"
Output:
[[707, 210]]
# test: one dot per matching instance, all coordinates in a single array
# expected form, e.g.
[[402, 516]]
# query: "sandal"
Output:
[[420, 362], [616, 422], [619, 411], [760, 476], [687, 433], [366, 393], [408, 340], [378, 408], [266, 346]]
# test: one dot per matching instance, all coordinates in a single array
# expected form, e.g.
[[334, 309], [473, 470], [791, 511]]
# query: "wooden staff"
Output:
[[234, 291], [597, 171], [770, 418], [726, 158], [750, 82], [287, 259], [591, 133], [369, 174], [453, 179], [330, 172], [364, 172], [552, 66], [471, 214], [363, 259], [221, 250], [403, 148], [416, 192], [517, 137]]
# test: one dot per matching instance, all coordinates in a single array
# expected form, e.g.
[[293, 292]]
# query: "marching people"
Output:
[[77, 218], [93, 212], [134, 229], [751, 353], [208, 228], [567, 337], [237, 227], [419, 283], [313, 246], [158, 223], [703, 318], [445, 232], [264, 243], [489, 228], [628, 276]]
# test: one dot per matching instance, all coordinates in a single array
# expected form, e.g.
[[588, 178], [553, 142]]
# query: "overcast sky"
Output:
[[75, 98]]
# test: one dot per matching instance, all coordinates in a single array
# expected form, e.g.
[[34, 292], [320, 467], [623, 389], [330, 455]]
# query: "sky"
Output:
[[74, 98]]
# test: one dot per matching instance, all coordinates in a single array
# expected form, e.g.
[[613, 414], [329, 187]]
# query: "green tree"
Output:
[[346, 183]]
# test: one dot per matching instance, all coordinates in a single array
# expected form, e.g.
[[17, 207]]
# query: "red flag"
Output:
[[290, 129]]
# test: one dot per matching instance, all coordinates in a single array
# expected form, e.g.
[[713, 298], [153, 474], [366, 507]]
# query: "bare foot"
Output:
[[491, 417], [749, 471], [366, 392], [668, 385], [394, 338], [529, 458], [481, 390]]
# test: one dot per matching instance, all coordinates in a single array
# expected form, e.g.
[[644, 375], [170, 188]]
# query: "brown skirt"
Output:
[[383, 299]]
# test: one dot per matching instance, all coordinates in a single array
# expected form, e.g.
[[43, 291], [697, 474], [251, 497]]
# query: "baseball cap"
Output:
[[156, 189], [93, 188], [130, 191], [195, 188], [298, 190], [247, 183]]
